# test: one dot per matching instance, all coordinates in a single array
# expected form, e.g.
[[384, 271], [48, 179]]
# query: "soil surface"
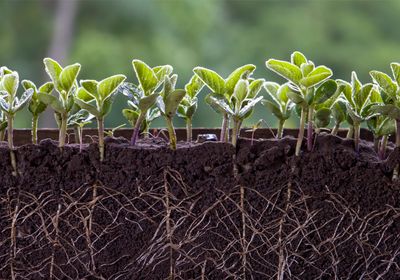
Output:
[[204, 211]]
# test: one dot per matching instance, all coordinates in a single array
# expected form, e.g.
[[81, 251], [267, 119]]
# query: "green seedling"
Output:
[[188, 106], [132, 113], [241, 104], [168, 103], [10, 104], [3, 119], [222, 89], [64, 81], [97, 98], [78, 121], [358, 104], [150, 79], [389, 90], [309, 88], [111, 132], [36, 107], [280, 106], [339, 114]]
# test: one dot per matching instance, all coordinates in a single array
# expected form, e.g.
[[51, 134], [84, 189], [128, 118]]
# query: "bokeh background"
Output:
[[104, 36]]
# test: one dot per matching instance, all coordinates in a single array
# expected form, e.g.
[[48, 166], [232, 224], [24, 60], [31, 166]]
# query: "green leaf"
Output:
[[162, 71], [36, 107], [211, 79], [396, 71], [339, 111], [249, 106], [3, 125], [172, 101], [106, 106], [271, 88], [130, 115], [51, 101], [147, 102], [296, 97], [385, 83], [388, 110], [194, 86], [363, 95], [25, 98], [4, 105], [297, 58], [10, 83], [255, 87], [240, 73], [325, 91], [53, 69], [90, 86], [285, 69], [108, 86], [88, 107], [274, 108], [84, 95], [145, 75], [27, 84], [387, 127], [316, 76], [241, 90], [46, 87], [322, 117], [283, 93], [68, 76], [353, 114], [218, 104], [307, 68], [191, 110]]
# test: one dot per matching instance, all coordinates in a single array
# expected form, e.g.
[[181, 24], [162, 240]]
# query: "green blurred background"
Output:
[[104, 36]]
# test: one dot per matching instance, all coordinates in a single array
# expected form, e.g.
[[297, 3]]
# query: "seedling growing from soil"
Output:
[[281, 106], [10, 104], [358, 104], [168, 103], [304, 79], [222, 89], [132, 112], [241, 104], [188, 106], [36, 107], [150, 79], [339, 114], [3, 119], [78, 121], [97, 98], [64, 81]]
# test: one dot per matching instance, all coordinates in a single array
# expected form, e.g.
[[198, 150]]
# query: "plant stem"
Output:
[[171, 132], [382, 148], [396, 169], [356, 127], [224, 127], [63, 130], [301, 131], [10, 136], [136, 129], [235, 131], [100, 124], [310, 128], [279, 134], [350, 132], [2, 135], [335, 129], [189, 129], [376, 144], [35, 119], [80, 135]]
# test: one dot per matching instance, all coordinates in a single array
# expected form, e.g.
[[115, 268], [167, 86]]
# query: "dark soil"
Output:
[[204, 211]]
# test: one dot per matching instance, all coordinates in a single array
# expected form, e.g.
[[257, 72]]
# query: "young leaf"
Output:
[[297, 58], [145, 75], [235, 76], [68, 76], [388, 110], [396, 71], [88, 107], [249, 106], [10, 83], [25, 98], [51, 101], [316, 76], [212, 80], [385, 83], [172, 101], [108, 86], [285, 69], [255, 87], [53, 69], [146, 102], [325, 91], [241, 90], [194, 86]]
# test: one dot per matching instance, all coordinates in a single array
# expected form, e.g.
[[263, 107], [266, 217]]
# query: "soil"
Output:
[[204, 211]]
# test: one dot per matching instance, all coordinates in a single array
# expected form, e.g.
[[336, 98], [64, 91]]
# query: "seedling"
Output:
[[241, 104], [339, 114], [390, 93], [110, 133], [150, 79], [358, 104], [309, 87], [281, 106], [188, 106], [97, 98], [10, 104], [168, 103], [36, 107], [78, 121], [222, 89], [64, 81], [3, 119], [132, 112]]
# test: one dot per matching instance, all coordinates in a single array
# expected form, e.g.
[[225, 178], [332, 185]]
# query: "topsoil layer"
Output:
[[204, 211]]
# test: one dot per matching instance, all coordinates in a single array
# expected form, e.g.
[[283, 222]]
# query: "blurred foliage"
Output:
[[217, 34]]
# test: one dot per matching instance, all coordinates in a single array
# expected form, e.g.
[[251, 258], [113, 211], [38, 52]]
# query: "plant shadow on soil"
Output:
[[204, 211]]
